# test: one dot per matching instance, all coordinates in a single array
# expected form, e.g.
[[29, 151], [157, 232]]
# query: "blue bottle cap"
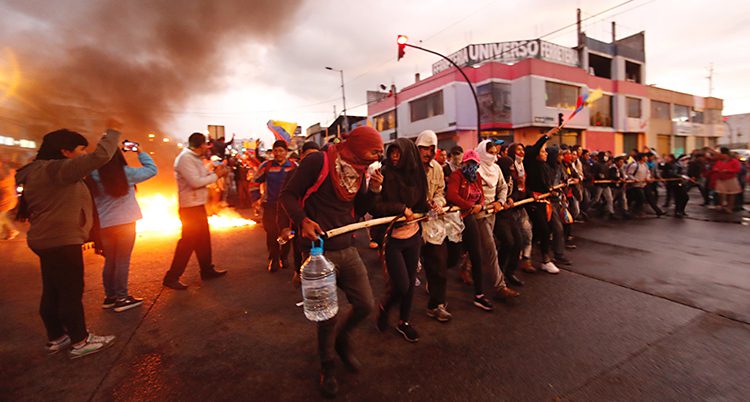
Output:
[[317, 251]]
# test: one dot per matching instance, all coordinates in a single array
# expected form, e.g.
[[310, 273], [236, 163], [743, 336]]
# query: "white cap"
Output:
[[427, 138]]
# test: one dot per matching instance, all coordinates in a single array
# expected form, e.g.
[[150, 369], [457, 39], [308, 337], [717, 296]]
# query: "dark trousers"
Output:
[[195, 237], [637, 196], [510, 240], [277, 254], [61, 307], [351, 278], [401, 259], [435, 263], [471, 241], [681, 197], [540, 227]]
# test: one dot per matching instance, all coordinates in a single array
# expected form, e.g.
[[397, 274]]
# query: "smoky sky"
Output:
[[133, 60]]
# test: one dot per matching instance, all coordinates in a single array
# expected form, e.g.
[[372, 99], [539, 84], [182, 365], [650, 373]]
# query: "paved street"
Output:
[[653, 309]]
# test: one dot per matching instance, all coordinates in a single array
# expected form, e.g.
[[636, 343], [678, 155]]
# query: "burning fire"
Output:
[[160, 217]]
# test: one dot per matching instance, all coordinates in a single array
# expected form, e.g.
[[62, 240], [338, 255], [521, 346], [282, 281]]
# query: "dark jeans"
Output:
[[558, 229], [540, 227], [276, 253], [61, 307], [401, 259], [471, 241], [637, 196], [117, 243], [681, 197], [510, 241], [195, 237], [435, 264], [351, 278]]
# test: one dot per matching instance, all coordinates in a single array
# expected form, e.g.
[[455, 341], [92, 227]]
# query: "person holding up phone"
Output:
[[114, 196]]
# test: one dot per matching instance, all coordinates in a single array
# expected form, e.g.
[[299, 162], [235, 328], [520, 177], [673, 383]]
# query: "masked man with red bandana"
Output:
[[329, 190]]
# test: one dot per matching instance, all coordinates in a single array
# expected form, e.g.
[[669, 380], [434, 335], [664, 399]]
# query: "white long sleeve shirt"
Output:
[[192, 179]]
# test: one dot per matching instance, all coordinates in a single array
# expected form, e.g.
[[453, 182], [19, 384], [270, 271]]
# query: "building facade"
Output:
[[737, 131], [525, 87]]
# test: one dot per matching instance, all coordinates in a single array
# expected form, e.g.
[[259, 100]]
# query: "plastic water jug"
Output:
[[319, 286]]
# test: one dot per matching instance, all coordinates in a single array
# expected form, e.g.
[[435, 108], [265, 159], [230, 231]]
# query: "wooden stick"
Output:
[[422, 217]]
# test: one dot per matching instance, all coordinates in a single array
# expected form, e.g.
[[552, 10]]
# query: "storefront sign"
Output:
[[509, 52], [544, 120]]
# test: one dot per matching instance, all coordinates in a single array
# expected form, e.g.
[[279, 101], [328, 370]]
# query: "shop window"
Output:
[[385, 121], [629, 141], [633, 72], [659, 110], [696, 117], [634, 107], [494, 102], [601, 112], [427, 106], [560, 96], [681, 113], [600, 66]]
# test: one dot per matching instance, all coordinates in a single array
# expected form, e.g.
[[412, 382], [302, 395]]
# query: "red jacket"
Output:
[[725, 170], [458, 190]]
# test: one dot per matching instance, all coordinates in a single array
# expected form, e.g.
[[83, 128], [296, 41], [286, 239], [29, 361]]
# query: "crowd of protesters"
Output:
[[487, 208]]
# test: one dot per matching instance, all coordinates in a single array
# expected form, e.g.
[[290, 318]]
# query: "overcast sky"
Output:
[[283, 77]]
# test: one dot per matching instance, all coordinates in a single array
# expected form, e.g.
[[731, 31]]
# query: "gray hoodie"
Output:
[[59, 202]]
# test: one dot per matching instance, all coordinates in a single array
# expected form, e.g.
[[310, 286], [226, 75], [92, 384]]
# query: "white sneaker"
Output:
[[550, 267], [92, 344], [58, 344]]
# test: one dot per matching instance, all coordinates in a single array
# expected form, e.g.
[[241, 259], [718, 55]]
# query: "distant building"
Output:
[[524, 86], [738, 131]]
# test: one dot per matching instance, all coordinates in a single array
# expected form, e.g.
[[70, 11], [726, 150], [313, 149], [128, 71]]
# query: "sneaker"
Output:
[[439, 313], [526, 266], [550, 267], [58, 344], [562, 260], [127, 303], [483, 303], [570, 246], [93, 344], [109, 302], [409, 333]]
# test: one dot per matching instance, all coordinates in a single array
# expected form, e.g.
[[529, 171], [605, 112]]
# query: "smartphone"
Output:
[[130, 146]]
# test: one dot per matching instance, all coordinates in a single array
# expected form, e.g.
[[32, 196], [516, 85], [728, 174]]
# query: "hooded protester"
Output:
[[328, 191], [495, 190], [61, 212], [435, 230], [539, 176], [465, 192], [514, 164], [404, 193]]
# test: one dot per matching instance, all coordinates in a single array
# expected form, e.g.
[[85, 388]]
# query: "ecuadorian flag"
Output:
[[282, 130]]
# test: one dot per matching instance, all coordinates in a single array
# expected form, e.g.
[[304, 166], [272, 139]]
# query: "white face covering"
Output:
[[487, 168]]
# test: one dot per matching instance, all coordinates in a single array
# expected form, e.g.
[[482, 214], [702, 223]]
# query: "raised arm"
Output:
[[141, 174], [72, 170]]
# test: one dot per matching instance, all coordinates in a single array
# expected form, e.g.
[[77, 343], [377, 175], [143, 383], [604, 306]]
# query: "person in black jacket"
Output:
[[404, 193], [327, 191], [507, 231], [539, 181]]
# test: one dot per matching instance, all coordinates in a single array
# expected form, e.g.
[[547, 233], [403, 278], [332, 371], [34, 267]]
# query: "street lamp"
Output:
[[403, 43], [343, 97]]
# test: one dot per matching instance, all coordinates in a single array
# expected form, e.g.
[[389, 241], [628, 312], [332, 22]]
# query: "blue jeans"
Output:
[[117, 243]]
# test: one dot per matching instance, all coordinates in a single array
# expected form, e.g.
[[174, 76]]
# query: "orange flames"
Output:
[[160, 217]]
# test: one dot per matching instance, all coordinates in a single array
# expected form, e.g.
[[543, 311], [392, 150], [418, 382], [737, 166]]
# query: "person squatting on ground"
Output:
[[495, 191], [192, 179], [465, 192], [114, 196], [404, 193], [60, 209], [327, 187], [272, 172]]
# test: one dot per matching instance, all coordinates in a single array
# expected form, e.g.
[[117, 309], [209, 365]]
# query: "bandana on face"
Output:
[[469, 170]]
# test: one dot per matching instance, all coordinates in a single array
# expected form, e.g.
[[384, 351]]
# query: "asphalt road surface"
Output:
[[653, 309]]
